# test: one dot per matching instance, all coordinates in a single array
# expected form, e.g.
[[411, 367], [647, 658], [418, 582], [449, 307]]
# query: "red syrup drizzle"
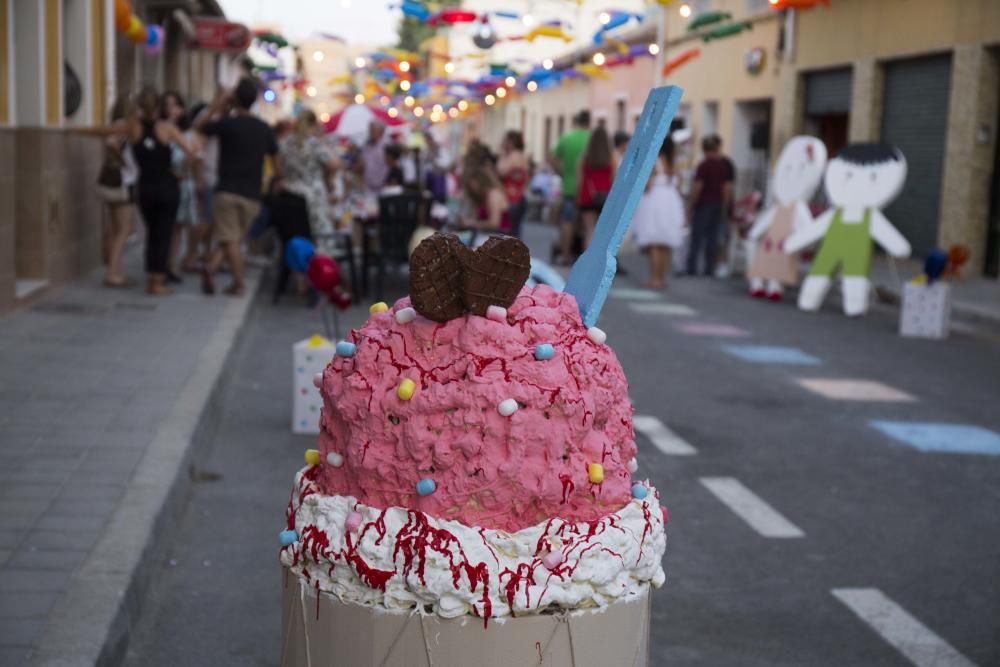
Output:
[[567, 486], [645, 531], [418, 535]]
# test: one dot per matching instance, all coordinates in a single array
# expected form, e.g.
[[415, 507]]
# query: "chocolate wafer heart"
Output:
[[436, 268], [495, 273]]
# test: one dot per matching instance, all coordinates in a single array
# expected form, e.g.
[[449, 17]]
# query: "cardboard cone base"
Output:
[[324, 632]]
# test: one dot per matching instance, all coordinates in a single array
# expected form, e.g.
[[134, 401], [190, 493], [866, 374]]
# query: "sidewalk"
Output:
[[102, 393], [975, 299]]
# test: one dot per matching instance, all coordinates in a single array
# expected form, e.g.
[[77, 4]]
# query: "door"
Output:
[[915, 119], [828, 106]]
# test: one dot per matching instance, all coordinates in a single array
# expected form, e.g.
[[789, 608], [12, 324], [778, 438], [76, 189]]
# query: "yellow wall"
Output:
[[53, 63], [4, 74], [98, 82], [850, 30]]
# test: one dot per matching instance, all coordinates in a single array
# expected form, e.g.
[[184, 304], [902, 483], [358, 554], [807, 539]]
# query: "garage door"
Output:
[[916, 120], [828, 91]]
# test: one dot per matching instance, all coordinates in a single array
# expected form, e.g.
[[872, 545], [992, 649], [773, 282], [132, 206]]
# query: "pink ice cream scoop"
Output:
[[489, 421]]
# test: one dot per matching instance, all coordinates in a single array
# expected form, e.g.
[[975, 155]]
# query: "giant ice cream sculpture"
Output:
[[472, 499]]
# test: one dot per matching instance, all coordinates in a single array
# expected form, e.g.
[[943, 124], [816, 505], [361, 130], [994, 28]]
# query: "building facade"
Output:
[[921, 74], [62, 66]]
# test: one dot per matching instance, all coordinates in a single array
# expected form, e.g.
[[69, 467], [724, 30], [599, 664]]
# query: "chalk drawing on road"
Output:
[[712, 330], [769, 354], [670, 309], [938, 437], [855, 390], [633, 294]]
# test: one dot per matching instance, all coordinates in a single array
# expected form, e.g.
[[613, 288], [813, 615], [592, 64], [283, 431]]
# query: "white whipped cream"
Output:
[[399, 559]]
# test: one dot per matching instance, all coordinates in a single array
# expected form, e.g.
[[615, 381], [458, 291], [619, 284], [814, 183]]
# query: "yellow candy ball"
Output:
[[379, 307], [595, 473], [312, 457], [406, 389]]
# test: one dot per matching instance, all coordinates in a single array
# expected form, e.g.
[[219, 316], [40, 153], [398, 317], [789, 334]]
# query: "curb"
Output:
[[92, 625]]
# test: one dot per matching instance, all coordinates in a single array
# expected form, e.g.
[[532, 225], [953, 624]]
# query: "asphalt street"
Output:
[[801, 532]]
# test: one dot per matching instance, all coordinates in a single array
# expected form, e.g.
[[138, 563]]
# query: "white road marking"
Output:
[[662, 437], [896, 626], [751, 508], [673, 309]]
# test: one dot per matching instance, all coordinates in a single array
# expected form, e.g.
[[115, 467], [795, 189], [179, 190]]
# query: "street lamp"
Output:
[[404, 85]]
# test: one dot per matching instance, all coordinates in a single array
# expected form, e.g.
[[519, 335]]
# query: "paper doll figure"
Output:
[[860, 181], [796, 176]]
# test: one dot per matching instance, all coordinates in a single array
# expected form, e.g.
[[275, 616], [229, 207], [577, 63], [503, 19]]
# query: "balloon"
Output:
[[485, 36], [123, 14], [154, 40], [298, 252], [935, 264], [323, 273], [136, 32], [339, 298]]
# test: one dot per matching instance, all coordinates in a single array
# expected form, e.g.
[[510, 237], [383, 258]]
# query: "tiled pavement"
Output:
[[87, 376]]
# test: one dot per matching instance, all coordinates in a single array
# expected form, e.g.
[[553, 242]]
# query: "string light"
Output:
[[598, 59], [393, 112], [324, 117], [685, 10], [449, 67], [359, 99], [384, 100], [532, 86], [528, 20], [453, 112], [604, 18], [311, 91], [404, 66], [418, 112], [462, 105], [438, 108], [490, 100], [510, 81], [654, 49], [435, 116], [547, 63], [501, 92], [404, 85], [408, 101], [359, 62], [318, 56]]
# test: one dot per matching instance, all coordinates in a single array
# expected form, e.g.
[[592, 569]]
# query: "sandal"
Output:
[[117, 283], [234, 290]]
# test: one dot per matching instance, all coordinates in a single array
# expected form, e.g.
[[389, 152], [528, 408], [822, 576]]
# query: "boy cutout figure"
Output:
[[860, 181], [797, 174]]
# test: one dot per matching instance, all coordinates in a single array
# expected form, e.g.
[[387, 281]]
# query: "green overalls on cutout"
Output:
[[846, 245]]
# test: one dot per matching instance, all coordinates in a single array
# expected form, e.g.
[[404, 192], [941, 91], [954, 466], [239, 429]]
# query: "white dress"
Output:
[[659, 217]]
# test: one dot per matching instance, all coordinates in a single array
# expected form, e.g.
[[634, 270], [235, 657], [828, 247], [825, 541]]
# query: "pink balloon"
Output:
[[323, 273]]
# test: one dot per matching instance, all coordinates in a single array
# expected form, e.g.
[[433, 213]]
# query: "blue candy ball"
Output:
[[544, 352], [287, 537], [346, 349], [298, 253], [639, 491], [426, 486]]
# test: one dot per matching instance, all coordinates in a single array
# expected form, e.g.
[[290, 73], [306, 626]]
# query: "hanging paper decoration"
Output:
[[451, 17], [485, 36], [273, 38], [708, 18], [797, 4], [553, 31], [592, 71], [754, 60], [726, 31], [681, 59], [415, 10]]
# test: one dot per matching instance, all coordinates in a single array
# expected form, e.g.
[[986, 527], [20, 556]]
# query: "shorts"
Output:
[[232, 216], [567, 210]]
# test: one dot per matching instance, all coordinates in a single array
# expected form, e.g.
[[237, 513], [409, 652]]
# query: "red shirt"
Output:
[[594, 180], [713, 172]]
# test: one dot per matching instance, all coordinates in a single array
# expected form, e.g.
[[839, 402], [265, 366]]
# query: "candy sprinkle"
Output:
[[335, 459], [288, 537], [595, 473], [312, 457], [346, 349], [404, 315], [496, 313], [426, 486], [406, 389], [318, 380], [353, 522], [379, 307], [597, 335], [633, 465], [553, 559], [507, 407], [639, 491], [544, 352]]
